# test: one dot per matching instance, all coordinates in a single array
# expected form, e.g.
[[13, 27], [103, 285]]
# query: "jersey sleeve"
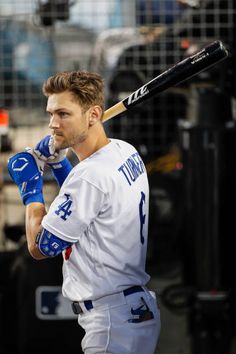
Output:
[[74, 209]]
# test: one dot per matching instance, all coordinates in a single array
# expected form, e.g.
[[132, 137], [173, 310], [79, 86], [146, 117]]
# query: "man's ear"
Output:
[[95, 115]]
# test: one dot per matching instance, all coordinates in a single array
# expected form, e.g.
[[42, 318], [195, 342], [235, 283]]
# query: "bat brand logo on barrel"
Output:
[[135, 96], [201, 55]]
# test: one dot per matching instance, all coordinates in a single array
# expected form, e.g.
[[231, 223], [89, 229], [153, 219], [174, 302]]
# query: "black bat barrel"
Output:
[[185, 69]]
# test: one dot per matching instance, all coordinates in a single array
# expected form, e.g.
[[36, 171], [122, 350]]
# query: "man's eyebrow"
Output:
[[57, 110]]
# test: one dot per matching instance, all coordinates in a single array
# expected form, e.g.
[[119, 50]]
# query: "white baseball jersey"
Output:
[[102, 208]]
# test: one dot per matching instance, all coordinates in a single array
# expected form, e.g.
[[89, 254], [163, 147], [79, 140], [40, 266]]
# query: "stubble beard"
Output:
[[71, 142]]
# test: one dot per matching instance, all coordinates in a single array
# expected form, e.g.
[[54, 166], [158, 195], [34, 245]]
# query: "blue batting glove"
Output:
[[43, 149], [57, 160], [25, 172], [46, 151]]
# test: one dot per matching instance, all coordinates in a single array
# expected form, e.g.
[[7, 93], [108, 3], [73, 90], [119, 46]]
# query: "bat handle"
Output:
[[114, 111]]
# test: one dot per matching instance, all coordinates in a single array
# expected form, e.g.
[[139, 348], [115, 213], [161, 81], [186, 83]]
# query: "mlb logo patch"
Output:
[[52, 305]]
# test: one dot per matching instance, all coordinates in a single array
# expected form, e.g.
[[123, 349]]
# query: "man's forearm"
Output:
[[33, 218]]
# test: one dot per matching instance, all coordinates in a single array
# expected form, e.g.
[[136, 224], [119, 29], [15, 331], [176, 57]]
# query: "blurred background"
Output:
[[186, 136]]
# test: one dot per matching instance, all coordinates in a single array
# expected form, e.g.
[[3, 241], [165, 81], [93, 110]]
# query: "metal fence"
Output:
[[128, 42]]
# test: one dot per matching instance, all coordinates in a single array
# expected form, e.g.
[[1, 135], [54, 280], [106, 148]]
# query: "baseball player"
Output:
[[98, 221]]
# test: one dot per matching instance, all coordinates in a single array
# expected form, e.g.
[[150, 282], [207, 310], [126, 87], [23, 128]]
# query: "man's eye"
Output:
[[63, 114]]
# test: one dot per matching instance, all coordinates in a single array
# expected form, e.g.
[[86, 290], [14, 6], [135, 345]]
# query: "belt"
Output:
[[88, 304]]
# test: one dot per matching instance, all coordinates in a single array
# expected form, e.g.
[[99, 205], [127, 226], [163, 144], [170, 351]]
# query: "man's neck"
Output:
[[95, 141]]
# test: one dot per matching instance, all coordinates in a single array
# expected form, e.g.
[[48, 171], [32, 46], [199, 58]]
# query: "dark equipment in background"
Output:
[[207, 246], [52, 10]]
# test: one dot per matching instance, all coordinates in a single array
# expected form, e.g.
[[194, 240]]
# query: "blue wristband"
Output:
[[34, 199], [61, 170]]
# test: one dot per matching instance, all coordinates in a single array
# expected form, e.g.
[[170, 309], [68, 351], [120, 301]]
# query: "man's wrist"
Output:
[[61, 170], [36, 198]]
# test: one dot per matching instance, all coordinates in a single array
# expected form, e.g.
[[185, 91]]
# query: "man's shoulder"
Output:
[[92, 171], [122, 143]]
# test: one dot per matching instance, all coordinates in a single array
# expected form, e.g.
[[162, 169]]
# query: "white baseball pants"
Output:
[[114, 326]]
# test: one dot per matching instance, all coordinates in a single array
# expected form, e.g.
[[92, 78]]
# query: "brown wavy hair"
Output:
[[87, 87]]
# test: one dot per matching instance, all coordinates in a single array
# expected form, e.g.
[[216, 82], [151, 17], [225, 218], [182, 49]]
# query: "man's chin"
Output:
[[59, 144]]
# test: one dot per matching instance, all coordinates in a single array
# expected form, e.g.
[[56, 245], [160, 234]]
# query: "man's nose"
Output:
[[54, 122]]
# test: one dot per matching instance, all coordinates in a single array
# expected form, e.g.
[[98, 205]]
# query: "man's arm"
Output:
[[26, 171], [33, 218], [41, 243]]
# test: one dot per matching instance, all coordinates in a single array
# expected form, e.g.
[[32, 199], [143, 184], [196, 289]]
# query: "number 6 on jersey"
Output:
[[142, 216]]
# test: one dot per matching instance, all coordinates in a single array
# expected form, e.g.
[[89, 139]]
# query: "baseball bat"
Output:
[[183, 70]]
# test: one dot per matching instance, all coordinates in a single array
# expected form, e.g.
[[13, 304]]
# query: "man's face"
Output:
[[69, 125]]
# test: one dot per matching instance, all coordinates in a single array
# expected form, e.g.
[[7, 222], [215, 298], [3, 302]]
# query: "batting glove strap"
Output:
[[24, 171], [61, 170]]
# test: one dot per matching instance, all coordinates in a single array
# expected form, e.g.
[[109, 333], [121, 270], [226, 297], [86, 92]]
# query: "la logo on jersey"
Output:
[[64, 209]]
